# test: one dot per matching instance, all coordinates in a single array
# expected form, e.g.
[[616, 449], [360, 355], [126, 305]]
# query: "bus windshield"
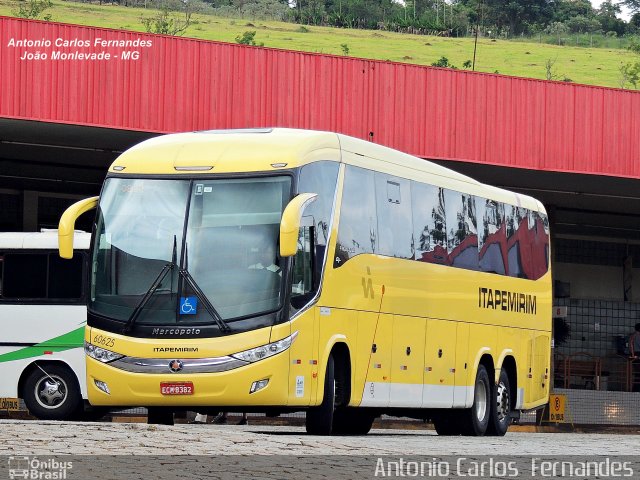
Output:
[[164, 249]]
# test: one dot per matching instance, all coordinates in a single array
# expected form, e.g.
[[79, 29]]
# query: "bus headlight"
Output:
[[266, 351], [101, 354]]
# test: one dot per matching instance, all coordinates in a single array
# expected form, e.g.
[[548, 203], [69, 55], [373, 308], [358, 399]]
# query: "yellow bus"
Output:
[[279, 270]]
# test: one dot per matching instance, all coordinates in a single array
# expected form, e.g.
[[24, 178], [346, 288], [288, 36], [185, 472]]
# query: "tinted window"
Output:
[[25, 275], [319, 178], [393, 202], [41, 276], [65, 276], [492, 243], [358, 230], [539, 228], [429, 223], [462, 231], [518, 241]]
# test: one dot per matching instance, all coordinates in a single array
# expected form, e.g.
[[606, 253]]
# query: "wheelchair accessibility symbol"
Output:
[[188, 305]]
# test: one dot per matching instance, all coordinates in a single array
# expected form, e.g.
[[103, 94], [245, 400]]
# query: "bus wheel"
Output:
[[52, 393], [500, 407], [447, 423], [352, 421], [319, 419], [159, 416], [477, 417]]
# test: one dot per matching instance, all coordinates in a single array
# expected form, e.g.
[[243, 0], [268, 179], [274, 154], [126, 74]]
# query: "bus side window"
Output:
[[517, 226], [492, 242], [65, 276], [319, 178], [25, 275], [358, 229], [462, 230], [393, 204], [303, 266], [429, 223], [540, 244]]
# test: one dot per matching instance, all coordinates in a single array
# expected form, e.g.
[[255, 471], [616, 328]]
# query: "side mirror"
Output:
[[290, 223], [67, 224]]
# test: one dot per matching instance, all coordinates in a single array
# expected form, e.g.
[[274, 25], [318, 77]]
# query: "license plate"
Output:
[[176, 388], [9, 404]]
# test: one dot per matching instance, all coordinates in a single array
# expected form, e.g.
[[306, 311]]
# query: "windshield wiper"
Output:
[[184, 273], [222, 325], [149, 293], [152, 289]]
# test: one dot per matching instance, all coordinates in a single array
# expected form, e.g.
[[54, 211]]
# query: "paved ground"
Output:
[[51, 438], [137, 451]]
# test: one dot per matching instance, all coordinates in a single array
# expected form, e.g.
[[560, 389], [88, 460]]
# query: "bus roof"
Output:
[[40, 240], [272, 149]]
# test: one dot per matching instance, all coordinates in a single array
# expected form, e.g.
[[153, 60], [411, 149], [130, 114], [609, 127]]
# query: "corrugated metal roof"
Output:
[[181, 84]]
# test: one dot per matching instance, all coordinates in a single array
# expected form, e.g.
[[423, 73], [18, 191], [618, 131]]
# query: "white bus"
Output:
[[43, 314]]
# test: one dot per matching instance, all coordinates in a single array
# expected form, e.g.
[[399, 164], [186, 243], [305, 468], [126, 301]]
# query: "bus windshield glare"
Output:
[[151, 266]]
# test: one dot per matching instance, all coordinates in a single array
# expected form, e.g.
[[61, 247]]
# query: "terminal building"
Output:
[[92, 93]]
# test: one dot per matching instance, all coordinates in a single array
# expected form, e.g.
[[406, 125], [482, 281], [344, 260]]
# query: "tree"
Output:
[[557, 29], [630, 72], [607, 16], [32, 9], [633, 5], [169, 22]]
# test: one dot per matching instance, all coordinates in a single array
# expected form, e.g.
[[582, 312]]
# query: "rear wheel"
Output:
[[319, 419], [51, 392], [500, 407], [476, 419]]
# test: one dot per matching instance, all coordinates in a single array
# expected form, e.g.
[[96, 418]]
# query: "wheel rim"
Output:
[[50, 392], [481, 401], [503, 402]]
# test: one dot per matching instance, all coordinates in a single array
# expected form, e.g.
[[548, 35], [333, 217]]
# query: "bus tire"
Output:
[[447, 423], [352, 421], [319, 420], [159, 416], [500, 407], [478, 416], [54, 395]]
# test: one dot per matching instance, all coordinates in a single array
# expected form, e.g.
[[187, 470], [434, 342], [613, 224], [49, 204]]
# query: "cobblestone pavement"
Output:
[[54, 438]]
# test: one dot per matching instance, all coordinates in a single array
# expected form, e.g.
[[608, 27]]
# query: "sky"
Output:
[[626, 14]]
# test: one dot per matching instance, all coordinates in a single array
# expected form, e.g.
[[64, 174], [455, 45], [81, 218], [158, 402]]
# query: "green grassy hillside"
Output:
[[595, 66]]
